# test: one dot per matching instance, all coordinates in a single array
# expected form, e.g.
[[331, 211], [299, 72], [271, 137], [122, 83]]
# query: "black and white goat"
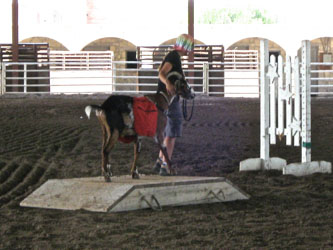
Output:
[[116, 119]]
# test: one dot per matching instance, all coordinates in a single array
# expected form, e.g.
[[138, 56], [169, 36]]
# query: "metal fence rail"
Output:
[[231, 82], [206, 78], [322, 78], [82, 60], [97, 72]]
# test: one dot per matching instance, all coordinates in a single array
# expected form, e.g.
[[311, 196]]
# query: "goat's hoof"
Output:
[[108, 170], [135, 175], [107, 178]]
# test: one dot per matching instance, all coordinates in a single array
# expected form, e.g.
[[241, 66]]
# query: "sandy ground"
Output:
[[49, 137]]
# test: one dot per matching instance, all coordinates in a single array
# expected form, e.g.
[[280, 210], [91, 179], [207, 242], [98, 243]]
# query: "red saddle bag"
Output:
[[145, 116]]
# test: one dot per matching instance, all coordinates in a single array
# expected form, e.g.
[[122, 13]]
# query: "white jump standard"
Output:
[[286, 88]]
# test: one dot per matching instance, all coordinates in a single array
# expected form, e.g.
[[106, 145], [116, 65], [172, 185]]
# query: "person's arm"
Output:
[[163, 77]]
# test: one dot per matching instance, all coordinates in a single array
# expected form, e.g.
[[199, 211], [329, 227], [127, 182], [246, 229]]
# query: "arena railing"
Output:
[[322, 78], [229, 79]]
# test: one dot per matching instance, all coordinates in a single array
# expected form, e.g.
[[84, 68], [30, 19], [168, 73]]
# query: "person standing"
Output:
[[172, 62]]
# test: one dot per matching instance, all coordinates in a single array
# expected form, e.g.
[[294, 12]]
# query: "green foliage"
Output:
[[236, 16]]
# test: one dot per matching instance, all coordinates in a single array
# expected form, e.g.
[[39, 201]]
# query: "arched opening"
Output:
[[53, 44], [253, 43], [122, 49]]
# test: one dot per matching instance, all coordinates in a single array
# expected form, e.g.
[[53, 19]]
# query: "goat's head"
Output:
[[181, 85]]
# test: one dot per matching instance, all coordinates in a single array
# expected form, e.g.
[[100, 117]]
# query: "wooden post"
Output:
[[138, 66], [222, 68], [15, 46], [15, 31], [191, 17], [191, 33]]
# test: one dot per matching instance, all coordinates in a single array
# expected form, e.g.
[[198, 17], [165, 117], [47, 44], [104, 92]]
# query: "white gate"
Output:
[[81, 72], [287, 91], [285, 110]]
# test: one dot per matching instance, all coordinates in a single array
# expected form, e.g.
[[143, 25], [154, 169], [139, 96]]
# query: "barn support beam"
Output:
[[191, 32], [15, 46]]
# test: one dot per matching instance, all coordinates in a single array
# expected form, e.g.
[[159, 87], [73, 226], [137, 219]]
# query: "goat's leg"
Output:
[[106, 138], [107, 150], [108, 142], [106, 168], [137, 149]]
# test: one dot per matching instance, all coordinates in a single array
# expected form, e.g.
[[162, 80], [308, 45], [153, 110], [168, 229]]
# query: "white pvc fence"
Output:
[[96, 72], [118, 79]]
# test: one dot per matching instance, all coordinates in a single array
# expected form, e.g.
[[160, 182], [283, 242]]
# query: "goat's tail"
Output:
[[90, 108]]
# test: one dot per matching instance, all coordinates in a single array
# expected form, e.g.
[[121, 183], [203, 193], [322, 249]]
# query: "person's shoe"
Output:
[[164, 170], [157, 165]]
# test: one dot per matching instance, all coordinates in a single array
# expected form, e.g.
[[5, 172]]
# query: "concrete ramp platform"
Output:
[[125, 194]]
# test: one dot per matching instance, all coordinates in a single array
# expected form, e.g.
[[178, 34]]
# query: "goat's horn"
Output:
[[175, 73]]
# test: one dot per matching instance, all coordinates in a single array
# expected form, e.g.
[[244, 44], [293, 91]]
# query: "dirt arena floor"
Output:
[[49, 137]]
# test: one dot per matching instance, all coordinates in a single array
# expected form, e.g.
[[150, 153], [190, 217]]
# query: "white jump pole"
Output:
[[264, 104], [306, 102]]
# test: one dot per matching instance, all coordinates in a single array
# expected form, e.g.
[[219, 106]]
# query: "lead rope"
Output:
[[185, 114]]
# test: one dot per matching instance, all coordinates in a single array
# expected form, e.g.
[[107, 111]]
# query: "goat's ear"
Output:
[[176, 74]]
